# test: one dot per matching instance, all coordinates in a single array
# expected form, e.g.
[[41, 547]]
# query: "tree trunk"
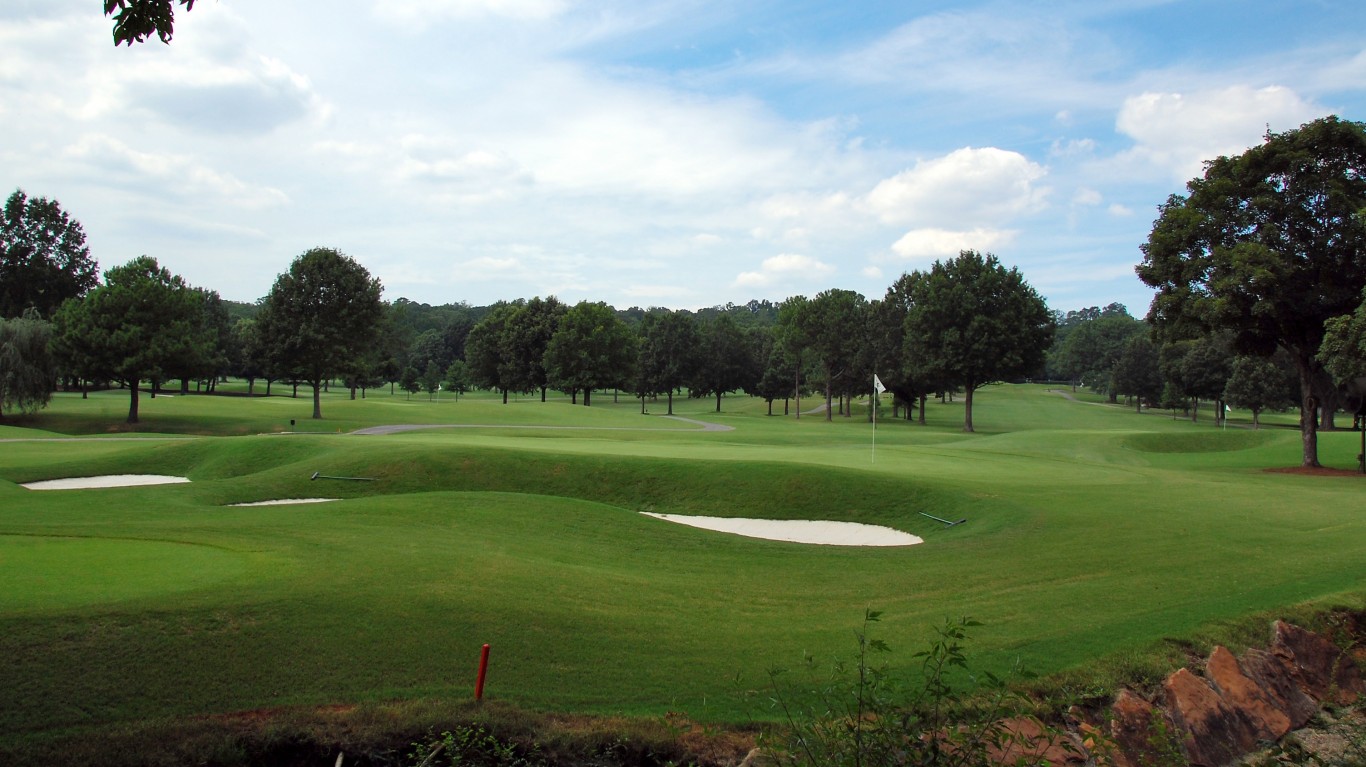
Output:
[[967, 408], [317, 402], [1309, 437], [770, 407], [671, 401], [718, 402], [543, 388], [587, 396], [133, 403], [1195, 410], [829, 386], [251, 384], [505, 396], [353, 392], [924, 397], [784, 405]]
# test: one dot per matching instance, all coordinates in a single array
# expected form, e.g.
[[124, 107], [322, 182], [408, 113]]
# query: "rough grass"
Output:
[[1097, 540]]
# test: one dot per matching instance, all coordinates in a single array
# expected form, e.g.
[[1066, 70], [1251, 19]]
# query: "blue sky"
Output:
[[678, 154]]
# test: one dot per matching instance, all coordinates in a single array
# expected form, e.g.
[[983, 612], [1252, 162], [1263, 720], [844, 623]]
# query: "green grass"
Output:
[[1093, 536]]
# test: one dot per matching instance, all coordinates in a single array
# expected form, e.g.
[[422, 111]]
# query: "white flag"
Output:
[[877, 384]]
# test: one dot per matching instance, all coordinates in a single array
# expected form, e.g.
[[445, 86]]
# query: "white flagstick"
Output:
[[878, 389]]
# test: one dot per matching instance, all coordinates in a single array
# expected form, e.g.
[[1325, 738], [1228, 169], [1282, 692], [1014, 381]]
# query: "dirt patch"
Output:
[[1319, 471]]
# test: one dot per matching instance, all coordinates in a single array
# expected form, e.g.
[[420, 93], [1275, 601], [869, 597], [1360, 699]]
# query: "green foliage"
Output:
[[973, 322], [1136, 371], [721, 362], [320, 318], [28, 372], [471, 746], [43, 257], [947, 716], [143, 324], [1343, 351], [591, 349], [1258, 384], [667, 353], [138, 20], [1268, 245]]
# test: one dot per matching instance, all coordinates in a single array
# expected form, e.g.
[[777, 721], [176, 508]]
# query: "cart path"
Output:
[[397, 428]]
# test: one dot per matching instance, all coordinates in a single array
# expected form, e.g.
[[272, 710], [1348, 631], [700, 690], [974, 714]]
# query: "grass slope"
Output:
[[1093, 532]]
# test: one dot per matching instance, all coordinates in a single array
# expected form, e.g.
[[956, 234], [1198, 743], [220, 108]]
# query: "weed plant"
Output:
[[947, 716]]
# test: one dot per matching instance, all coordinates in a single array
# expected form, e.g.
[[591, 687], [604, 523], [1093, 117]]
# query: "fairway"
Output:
[[1091, 533]]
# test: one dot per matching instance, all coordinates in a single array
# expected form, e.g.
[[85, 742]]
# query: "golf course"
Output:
[[1095, 541]]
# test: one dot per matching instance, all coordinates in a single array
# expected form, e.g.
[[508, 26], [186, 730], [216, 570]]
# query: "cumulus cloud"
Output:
[[966, 187], [1087, 197], [252, 95], [929, 244], [168, 175], [422, 13], [782, 269], [1179, 131]]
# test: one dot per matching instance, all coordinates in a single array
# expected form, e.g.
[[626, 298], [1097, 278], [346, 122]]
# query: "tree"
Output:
[[832, 326], [484, 350], [793, 336], [458, 378], [43, 257], [1093, 345], [592, 349], [136, 327], [975, 322], [667, 353], [28, 372], [1204, 371], [431, 379], [525, 338], [320, 317], [1268, 245], [722, 361], [138, 20], [1137, 373], [1258, 383], [410, 381]]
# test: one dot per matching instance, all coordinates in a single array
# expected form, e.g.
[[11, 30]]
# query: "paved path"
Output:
[[397, 428]]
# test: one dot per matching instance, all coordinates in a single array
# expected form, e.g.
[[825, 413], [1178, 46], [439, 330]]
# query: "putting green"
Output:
[[41, 573]]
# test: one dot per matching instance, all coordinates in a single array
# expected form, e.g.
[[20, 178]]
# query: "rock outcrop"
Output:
[[1238, 703]]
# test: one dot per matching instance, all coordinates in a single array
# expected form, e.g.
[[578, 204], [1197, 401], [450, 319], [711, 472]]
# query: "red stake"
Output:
[[483, 671]]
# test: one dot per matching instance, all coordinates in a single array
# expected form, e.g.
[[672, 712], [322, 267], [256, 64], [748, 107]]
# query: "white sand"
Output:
[[108, 480], [285, 501], [799, 531]]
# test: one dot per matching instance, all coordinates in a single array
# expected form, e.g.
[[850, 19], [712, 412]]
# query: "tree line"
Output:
[[963, 323], [1259, 270]]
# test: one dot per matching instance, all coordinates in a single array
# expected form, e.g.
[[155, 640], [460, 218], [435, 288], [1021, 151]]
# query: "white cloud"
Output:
[[1087, 197], [782, 269], [929, 244], [422, 13], [168, 175], [967, 187], [1179, 131]]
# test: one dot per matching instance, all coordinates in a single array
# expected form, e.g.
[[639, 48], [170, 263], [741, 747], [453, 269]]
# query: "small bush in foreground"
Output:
[[949, 717]]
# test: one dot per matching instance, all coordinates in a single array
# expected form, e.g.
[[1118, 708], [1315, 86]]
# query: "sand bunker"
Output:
[[107, 480], [799, 531], [285, 501]]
